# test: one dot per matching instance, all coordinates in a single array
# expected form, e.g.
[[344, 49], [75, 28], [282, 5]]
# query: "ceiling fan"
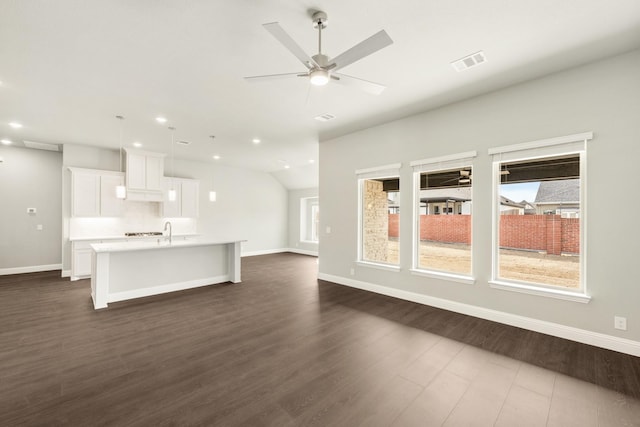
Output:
[[321, 69]]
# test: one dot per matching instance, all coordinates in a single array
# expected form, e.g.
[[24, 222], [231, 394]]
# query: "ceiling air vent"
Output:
[[183, 142], [325, 117], [41, 146], [469, 61]]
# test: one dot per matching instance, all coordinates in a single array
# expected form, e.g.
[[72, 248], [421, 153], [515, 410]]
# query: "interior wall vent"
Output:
[[183, 142], [325, 117], [41, 146], [469, 61]]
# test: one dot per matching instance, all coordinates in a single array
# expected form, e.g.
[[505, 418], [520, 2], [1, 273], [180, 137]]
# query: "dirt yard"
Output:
[[526, 266]]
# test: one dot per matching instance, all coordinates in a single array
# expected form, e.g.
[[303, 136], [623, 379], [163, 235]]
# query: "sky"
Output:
[[520, 191]]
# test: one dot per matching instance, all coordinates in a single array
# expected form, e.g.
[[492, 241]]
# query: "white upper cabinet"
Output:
[[145, 172], [110, 205], [93, 193], [186, 203]]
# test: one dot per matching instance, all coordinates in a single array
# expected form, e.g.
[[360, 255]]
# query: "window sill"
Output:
[[452, 277], [309, 242], [387, 267], [543, 292]]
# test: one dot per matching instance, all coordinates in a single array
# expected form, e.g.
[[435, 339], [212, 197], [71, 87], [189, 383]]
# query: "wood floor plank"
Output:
[[281, 348]]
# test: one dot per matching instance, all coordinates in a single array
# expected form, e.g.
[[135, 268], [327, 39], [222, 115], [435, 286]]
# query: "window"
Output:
[[443, 208], [379, 216], [309, 219], [539, 211]]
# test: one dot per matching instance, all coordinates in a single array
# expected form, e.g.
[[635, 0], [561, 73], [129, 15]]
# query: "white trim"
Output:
[[467, 280], [447, 158], [379, 266], [395, 166], [163, 289], [597, 339], [264, 252], [302, 251], [540, 291], [65, 273], [585, 136], [30, 269]]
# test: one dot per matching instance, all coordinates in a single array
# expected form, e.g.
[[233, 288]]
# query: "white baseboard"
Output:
[[65, 273], [597, 339], [302, 251], [264, 252], [29, 269], [163, 289], [279, 251]]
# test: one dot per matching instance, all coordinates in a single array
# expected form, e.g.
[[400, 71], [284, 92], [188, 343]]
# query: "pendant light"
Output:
[[121, 190], [171, 195], [212, 193]]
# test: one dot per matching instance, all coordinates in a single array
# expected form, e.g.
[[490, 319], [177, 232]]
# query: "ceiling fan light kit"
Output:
[[319, 68], [319, 77]]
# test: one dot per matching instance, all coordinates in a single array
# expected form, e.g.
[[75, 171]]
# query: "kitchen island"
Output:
[[126, 270]]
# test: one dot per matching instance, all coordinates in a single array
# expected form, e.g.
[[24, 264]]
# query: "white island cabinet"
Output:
[[128, 270]]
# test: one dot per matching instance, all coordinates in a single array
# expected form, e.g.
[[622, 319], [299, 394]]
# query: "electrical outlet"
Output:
[[39, 227], [353, 271], [328, 230], [620, 323]]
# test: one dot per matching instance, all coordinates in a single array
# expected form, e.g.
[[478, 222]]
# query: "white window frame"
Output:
[[377, 172], [563, 145], [306, 219], [442, 163]]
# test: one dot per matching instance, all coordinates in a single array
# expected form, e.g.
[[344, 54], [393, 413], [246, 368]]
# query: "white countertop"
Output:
[[141, 245], [123, 237]]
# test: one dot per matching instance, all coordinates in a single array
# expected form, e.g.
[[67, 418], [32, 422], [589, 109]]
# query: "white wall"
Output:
[[29, 179], [603, 97], [295, 243], [250, 205]]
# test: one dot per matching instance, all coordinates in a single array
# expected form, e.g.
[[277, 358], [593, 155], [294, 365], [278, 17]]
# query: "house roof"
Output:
[[561, 191]]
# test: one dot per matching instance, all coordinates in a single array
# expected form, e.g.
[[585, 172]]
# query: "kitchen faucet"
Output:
[[170, 231]]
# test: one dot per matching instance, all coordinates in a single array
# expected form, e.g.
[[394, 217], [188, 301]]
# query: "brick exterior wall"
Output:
[[548, 233], [375, 221]]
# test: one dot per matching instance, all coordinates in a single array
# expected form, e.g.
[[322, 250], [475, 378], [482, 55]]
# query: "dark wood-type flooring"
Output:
[[280, 348]]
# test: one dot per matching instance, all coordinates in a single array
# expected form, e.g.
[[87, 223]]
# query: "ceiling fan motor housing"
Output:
[[319, 20]]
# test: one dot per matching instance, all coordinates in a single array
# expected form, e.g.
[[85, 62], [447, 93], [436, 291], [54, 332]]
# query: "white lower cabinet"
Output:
[[81, 259]]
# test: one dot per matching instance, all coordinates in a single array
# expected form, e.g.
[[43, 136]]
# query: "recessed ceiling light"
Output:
[[6, 142], [15, 125], [287, 166], [137, 144], [311, 161], [161, 119], [216, 157], [255, 141]]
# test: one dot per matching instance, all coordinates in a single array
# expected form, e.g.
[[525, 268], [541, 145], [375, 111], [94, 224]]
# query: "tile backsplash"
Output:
[[138, 217]]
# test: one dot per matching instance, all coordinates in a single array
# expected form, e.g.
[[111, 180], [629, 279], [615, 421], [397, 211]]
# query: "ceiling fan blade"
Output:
[[276, 31], [273, 77], [365, 85], [373, 44]]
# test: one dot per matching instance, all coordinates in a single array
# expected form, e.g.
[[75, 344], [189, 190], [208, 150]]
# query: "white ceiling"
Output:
[[67, 67]]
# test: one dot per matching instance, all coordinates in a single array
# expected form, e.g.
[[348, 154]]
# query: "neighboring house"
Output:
[[560, 197], [446, 201], [510, 207]]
